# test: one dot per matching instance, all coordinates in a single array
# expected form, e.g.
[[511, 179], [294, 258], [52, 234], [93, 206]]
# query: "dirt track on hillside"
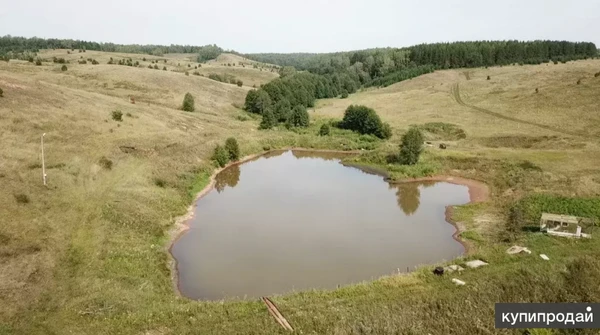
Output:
[[455, 91]]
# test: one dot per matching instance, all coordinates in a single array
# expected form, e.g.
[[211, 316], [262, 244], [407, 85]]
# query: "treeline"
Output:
[[381, 67], [19, 45], [476, 54], [303, 88]]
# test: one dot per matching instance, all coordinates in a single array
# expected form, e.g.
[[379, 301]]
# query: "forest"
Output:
[[332, 74], [21, 47]]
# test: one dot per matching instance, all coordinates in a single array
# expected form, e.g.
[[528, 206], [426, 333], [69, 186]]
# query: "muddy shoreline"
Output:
[[478, 192]]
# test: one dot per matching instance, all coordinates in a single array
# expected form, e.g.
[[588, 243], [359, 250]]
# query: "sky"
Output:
[[283, 26]]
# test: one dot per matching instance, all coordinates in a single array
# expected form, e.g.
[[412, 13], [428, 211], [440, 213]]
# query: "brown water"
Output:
[[296, 220]]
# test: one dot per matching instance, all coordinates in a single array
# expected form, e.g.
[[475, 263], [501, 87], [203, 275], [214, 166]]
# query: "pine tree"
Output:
[[299, 117], [268, 119]]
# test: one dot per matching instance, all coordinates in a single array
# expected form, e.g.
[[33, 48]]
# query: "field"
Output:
[[87, 254]]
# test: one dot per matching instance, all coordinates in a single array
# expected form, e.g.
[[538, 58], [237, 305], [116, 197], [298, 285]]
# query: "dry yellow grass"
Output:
[[565, 112], [87, 253]]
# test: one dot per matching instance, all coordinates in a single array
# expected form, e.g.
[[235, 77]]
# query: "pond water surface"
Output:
[[295, 220]]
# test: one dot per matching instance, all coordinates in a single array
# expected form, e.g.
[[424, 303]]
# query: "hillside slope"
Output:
[[87, 254]]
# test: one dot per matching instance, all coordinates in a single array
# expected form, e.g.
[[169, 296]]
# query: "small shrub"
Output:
[[189, 65], [344, 94], [160, 182], [38, 62], [82, 62], [597, 74], [233, 148], [411, 147], [239, 83], [22, 198], [144, 59], [164, 68], [555, 62], [325, 130], [105, 163], [155, 67], [128, 114], [188, 103], [30, 59], [220, 155], [578, 81], [488, 78], [187, 73], [117, 115], [149, 66], [164, 60], [63, 68], [514, 224], [537, 90], [1, 93]]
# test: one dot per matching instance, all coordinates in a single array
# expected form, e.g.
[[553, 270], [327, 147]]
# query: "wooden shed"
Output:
[[563, 225]]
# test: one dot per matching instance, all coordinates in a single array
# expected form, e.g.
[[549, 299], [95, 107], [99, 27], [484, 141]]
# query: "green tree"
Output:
[[286, 71], [325, 130], [365, 120], [268, 119], [411, 147], [282, 110], [344, 94], [233, 148], [298, 117], [188, 103], [220, 155], [257, 101]]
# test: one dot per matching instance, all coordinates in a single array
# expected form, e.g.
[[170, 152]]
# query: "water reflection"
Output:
[[228, 177], [327, 156], [409, 195]]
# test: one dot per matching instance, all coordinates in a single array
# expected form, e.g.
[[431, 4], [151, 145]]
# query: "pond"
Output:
[[295, 220]]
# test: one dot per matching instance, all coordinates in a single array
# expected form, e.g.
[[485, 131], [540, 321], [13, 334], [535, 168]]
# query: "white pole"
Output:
[[43, 163]]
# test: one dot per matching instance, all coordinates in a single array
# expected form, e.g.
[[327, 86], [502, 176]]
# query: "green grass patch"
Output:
[[534, 205], [471, 235], [442, 131], [199, 183]]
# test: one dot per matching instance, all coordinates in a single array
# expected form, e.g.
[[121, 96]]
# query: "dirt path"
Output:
[[455, 91]]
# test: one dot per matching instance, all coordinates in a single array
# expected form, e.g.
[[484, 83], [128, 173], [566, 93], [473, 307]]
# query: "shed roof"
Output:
[[559, 217]]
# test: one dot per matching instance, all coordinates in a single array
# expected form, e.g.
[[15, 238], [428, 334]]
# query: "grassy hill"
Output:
[[87, 254]]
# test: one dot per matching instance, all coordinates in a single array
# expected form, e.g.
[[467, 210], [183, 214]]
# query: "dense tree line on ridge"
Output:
[[333, 74], [383, 66], [11, 46]]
